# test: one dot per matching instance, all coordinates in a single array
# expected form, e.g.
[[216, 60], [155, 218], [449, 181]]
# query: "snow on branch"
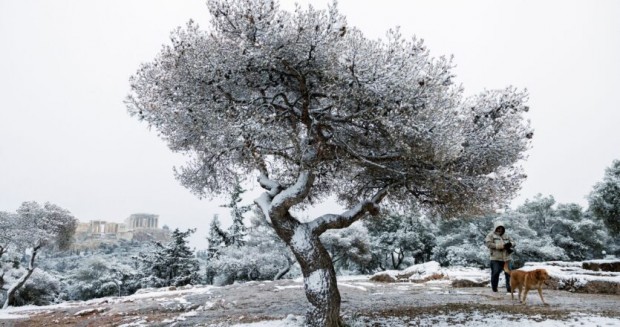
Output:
[[272, 187], [264, 203], [295, 193], [333, 221]]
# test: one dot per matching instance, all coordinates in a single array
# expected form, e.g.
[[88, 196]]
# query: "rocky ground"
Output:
[[364, 303]]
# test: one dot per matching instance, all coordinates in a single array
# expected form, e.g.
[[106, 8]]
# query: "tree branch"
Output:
[[294, 194], [332, 221]]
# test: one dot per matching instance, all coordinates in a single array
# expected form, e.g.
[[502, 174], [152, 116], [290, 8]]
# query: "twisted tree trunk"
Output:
[[303, 239], [319, 274]]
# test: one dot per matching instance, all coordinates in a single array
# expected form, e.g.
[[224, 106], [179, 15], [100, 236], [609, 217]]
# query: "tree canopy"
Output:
[[280, 93]]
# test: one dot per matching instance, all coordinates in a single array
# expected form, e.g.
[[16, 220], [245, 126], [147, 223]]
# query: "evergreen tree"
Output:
[[172, 264], [605, 198], [237, 230], [398, 239], [216, 240], [461, 242], [579, 233], [349, 248]]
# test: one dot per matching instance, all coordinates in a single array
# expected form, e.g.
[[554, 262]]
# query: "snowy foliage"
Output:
[[106, 270], [461, 242], [37, 226], [27, 232], [217, 237], [399, 240], [542, 230], [172, 264], [580, 235], [237, 230], [42, 288], [282, 93], [241, 253], [262, 256], [605, 198], [349, 248], [97, 277]]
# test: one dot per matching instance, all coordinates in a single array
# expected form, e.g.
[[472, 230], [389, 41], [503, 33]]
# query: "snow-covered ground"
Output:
[[425, 298], [475, 319]]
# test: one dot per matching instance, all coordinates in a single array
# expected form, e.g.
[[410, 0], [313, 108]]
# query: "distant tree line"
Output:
[[543, 229], [38, 236]]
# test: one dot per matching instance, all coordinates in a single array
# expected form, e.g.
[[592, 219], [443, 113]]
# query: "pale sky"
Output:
[[66, 137]]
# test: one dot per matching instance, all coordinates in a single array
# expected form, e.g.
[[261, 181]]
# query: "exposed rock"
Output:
[[584, 286], [602, 265], [89, 311], [469, 283], [85, 312], [383, 278], [435, 276]]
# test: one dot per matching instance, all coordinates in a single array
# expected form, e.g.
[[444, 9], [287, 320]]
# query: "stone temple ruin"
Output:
[[137, 227]]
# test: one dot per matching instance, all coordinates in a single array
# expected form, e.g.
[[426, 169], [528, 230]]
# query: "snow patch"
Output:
[[138, 323], [301, 240], [316, 282], [292, 191], [289, 321], [477, 319], [353, 286], [287, 286]]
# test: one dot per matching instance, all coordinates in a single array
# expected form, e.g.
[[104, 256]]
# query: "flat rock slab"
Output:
[[601, 265]]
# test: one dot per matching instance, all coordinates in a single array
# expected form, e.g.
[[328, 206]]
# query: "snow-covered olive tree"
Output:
[[313, 109], [33, 227]]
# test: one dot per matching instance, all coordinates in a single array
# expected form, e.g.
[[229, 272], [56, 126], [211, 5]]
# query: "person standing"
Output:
[[500, 246]]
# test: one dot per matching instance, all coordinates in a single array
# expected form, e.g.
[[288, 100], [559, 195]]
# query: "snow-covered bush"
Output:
[[262, 256], [399, 240], [98, 277], [349, 248], [461, 242], [42, 288]]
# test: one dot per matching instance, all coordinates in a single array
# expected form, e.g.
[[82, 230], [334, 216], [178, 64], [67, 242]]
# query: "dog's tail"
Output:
[[507, 267]]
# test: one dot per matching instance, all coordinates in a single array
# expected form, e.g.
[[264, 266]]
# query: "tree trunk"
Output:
[[285, 270], [318, 271], [303, 239], [10, 295]]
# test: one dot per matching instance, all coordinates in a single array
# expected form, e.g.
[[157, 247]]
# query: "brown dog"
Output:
[[525, 281]]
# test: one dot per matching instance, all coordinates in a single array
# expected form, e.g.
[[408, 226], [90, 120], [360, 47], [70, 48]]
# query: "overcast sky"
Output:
[[66, 137]]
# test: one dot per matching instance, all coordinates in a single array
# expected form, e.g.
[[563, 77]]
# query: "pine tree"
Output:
[[237, 230], [172, 264], [217, 238], [604, 199]]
